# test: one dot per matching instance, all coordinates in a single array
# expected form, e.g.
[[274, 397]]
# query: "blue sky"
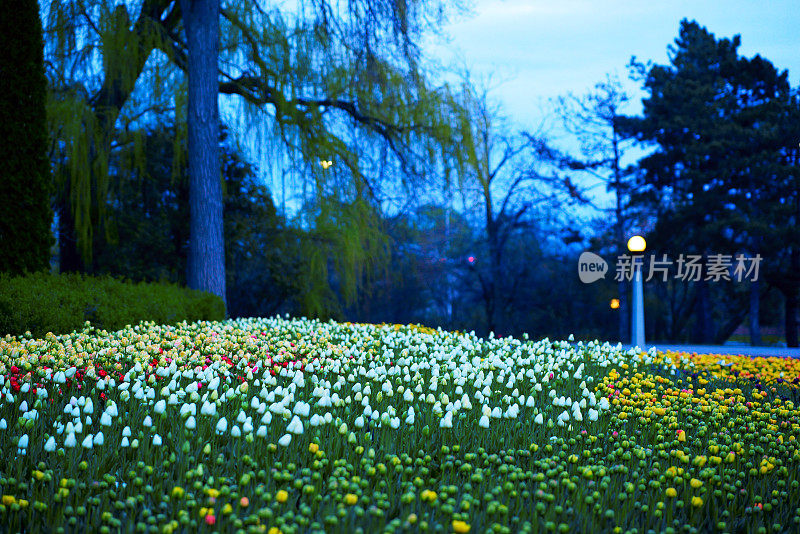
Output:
[[536, 50]]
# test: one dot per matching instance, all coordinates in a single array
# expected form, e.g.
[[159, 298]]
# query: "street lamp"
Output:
[[614, 304], [636, 245]]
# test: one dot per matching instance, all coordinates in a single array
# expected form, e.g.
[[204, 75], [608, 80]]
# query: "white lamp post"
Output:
[[636, 245]]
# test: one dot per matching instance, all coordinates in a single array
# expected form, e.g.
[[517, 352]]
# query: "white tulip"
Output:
[[222, 426], [302, 409], [447, 420], [295, 426]]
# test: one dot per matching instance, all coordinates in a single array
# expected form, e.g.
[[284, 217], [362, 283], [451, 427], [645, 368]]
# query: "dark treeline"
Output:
[[426, 207]]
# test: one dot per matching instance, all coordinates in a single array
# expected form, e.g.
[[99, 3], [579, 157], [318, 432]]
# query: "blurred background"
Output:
[[442, 163]]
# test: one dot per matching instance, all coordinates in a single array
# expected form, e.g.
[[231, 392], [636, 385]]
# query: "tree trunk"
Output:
[[69, 260], [704, 328], [624, 314], [622, 285], [755, 328], [206, 262], [728, 328], [790, 317], [495, 317]]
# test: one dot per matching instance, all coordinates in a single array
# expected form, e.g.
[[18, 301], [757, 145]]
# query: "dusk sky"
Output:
[[536, 50]]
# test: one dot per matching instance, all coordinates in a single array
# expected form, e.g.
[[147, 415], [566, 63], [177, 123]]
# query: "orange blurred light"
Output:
[[614, 304]]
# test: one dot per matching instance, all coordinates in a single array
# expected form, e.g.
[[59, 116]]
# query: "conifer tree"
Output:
[[25, 180]]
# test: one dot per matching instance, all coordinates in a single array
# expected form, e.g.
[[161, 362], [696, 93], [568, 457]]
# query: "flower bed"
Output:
[[275, 425]]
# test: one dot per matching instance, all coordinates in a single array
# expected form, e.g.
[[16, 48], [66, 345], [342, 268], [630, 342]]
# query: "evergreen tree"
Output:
[[25, 179], [716, 120]]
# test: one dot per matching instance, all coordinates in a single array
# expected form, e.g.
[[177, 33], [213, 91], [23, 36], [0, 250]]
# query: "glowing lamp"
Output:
[[637, 244]]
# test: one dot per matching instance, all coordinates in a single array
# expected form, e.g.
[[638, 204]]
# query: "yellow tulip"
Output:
[[460, 527]]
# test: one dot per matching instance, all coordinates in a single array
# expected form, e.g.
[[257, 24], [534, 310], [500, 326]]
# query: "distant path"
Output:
[[731, 349]]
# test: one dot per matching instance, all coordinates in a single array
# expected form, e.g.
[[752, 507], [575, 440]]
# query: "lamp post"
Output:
[[636, 245]]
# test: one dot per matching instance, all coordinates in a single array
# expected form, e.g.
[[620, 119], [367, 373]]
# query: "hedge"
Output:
[[42, 303]]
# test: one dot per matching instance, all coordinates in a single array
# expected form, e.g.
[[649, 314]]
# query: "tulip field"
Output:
[[295, 425]]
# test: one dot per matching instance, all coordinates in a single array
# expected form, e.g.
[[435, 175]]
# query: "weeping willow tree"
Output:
[[341, 81]]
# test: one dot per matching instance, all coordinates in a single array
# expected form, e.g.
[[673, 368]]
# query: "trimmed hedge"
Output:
[[42, 303]]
